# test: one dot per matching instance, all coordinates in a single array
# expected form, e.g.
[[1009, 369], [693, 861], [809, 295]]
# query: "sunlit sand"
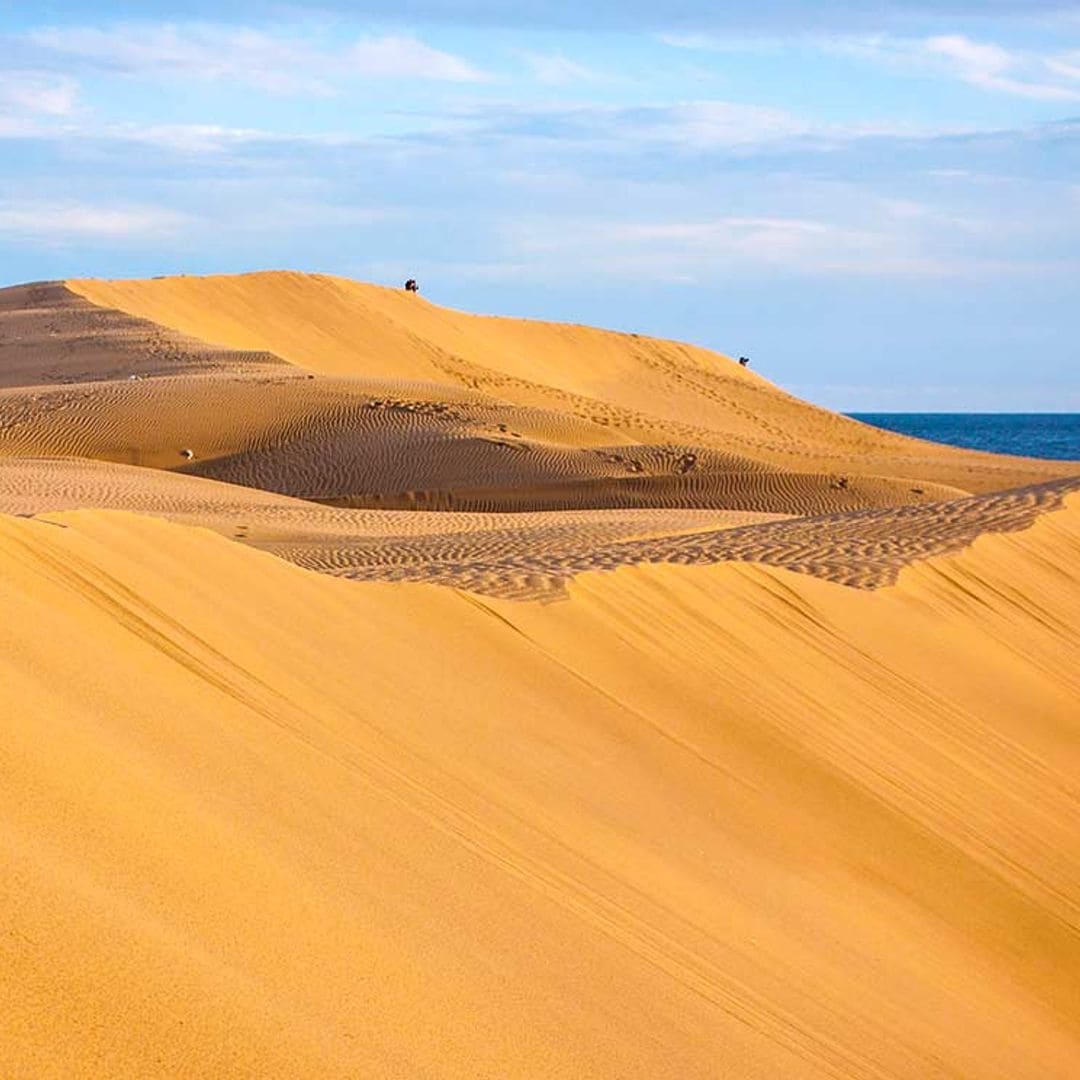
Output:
[[392, 691]]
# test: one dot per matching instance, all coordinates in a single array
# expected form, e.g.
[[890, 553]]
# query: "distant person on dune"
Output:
[[411, 286], [744, 361]]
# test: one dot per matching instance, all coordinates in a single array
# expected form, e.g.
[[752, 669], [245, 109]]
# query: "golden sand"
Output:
[[632, 388], [705, 811]]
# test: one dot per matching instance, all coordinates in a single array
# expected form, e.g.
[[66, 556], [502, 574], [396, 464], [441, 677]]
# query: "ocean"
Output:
[[1042, 435]]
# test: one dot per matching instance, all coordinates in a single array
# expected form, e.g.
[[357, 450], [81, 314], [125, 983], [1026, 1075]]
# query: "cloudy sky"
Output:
[[879, 202]]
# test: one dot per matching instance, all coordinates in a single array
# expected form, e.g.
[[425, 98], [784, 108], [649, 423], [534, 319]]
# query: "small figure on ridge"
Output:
[[411, 286], [743, 361]]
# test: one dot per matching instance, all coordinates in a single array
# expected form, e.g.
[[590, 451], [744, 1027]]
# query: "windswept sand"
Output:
[[668, 727], [710, 821]]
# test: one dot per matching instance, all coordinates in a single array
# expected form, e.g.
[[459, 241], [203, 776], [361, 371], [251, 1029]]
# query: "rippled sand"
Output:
[[667, 727]]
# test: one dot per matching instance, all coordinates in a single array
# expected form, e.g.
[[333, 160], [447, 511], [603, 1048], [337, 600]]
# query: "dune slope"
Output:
[[329, 390], [246, 830], [527, 554], [646, 390], [667, 726]]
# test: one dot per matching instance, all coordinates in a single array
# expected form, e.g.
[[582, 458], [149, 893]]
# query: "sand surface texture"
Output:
[[673, 727]]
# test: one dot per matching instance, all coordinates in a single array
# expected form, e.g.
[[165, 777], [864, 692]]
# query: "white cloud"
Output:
[[554, 69], [1021, 73], [694, 42], [37, 93], [695, 251], [690, 125], [274, 63], [203, 52], [406, 57], [54, 222], [995, 68], [183, 138]]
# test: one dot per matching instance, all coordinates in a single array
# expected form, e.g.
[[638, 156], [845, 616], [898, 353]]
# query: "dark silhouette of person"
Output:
[[743, 361], [411, 286]]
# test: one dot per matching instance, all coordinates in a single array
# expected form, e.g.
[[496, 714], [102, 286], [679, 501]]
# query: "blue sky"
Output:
[[880, 203]]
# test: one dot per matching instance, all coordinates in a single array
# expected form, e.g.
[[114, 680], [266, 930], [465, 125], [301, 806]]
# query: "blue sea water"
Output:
[[1042, 435]]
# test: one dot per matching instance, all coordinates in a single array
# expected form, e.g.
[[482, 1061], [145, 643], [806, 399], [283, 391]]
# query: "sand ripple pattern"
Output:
[[363, 434], [528, 555], [866, 549]]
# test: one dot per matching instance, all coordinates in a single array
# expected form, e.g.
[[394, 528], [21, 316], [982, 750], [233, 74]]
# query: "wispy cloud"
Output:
[[270, 62], [183, 139], [403, 57], [987, 65], [37, 92], [702, 128], [995, 68], [717, 123], [555, 69], [691, 125], [53, 222], [1040, 76], [696, 42], [696, 250], [201, 52]]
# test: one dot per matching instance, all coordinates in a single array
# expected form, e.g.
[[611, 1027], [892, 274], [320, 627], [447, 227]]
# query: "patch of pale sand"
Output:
[[691, 822], [646, 390]]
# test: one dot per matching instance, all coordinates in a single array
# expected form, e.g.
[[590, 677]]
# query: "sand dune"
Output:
[[527, 554], [647, 390], [328, 390], [30, 486], [638, 833], [778, 780]]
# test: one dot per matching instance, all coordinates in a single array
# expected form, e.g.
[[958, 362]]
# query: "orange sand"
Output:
[[692, 822], [706, 811], [634, 387]]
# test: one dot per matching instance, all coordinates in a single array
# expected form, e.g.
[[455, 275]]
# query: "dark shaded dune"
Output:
[[39, 486], [249, 419], [759, 491], [158, 399], [51, 336]]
